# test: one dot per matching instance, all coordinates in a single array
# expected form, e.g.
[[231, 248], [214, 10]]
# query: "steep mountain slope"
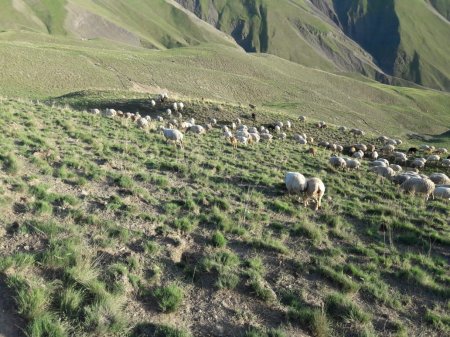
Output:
[[409, 39], [155, 24], [292, 29], [406, 38]]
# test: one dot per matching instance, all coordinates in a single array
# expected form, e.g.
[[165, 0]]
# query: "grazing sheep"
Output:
[[312, 151], [110, 113], [277, 129], [442, 192], [396, 168], [225, 128], [142, 123], [295, 182], [440, 178], [322, 125], [418, 163], [400, 157], [418, 185], [433, 158], [208, 126], [302, 119], [192, 121], [185, 125], [253, 130], [302, 141], [332, 147], [179, 115], [213, 121], [95, 111], [343, 129], [238, 121], [384, 172], [338, 162], [175, 106], [279, 124], [378, 163], [233, 126], [267, 136], [361, 147], [339, 148], [227, 134], [153, 103], [197, 129], [352, 164], [357, 132], [399, 141], [310, 140], [383, 139], [315, 189], [173, 135], [181, 106], [283, 136], [391, 142], [402, 177], [388, 149], [288, 125], [358, 155], [324, 144], [254, 116], [446, 163], [441, 150], [374, 155], [255, 137]]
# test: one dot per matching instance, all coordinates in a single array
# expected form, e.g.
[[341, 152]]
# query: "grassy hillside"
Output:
[[443, 7], [108, 230], [52, 67], [155, 24]]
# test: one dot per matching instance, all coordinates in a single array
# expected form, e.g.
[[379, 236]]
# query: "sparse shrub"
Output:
[[218, 239], [227, 279], [10, 164], [341, 307], [310, 230], [70, 301], [255, 332], [186, 224], [167, 331], [169, 298], [42, 207], [46, 325]]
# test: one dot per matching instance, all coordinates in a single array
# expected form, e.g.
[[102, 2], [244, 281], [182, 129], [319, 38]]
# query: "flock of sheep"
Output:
[[236, 133]]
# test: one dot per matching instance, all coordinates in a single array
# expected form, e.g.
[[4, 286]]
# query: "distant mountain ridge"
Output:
[[392, 41]]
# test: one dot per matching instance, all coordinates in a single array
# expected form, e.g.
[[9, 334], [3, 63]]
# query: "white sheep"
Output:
[[343, 129], [277, 129], [302, 119], [396, 168], [238, 121], [418, 163], [110, 113], [266, 136], [279, 124], [197, 129], [295, 182], [142, 123], [95, 111], [374, 155], [315, 189], [442, 192], [175, 106], [352, 164], [159, 119], [338, 162], [418, 185], [192, 121], [446, 163], [173, 135], [362, 147], [339, 148], [153, 103], [253, 130], [384, 172], [433, 158], [181, 106], [288, 125], [233, 126], [227, 134], [255, 137], [358, 155], [283, 136], [378, 163], [440, 178]]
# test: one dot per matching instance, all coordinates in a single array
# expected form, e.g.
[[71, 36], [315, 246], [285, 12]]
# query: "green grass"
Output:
[[210, 225], [169, 298]]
